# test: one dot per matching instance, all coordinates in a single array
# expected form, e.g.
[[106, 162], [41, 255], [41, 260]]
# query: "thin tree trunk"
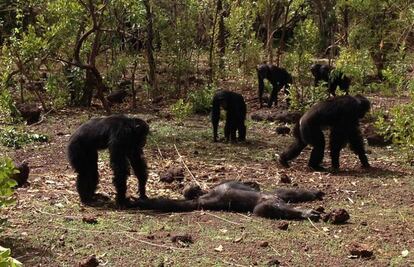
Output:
[[150, 48], [282, 38], [134, 91], [221, 42], [213, 34]]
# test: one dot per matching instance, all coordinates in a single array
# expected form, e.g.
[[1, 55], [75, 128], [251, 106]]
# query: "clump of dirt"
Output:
[[285, 179], [280, 116], [358, 250], [336, 216], [173, 174], [273, 262], [264, 244], [90, 219], [91, 261], [282, 130], [283, 226], [374, 138], [23, 175], [182, 238]]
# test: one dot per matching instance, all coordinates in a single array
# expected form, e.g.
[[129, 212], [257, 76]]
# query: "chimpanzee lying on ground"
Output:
[[239, 197], [278, 77], [332, 77], [125, 138], [341, 114], [235, 107]]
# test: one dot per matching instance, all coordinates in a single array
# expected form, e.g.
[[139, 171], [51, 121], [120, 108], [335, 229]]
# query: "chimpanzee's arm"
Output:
[[215, 117], [356, 143], [278, 210], [139, 165]]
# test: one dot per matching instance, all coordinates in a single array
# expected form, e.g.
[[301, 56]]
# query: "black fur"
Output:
[[235, 107], [332, 77], [125, 138], [236, 196], [341, 114], [278, 77], [117, 96]]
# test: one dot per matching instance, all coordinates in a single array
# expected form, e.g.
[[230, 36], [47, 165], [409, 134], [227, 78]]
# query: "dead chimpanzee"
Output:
[[278, 77], [332, 77], [235, 107], [125, 138], [341, 114], [239, 197]]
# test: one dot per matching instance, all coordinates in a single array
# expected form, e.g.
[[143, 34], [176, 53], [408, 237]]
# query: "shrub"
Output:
[[11, 137], [181, 109], [6, 260], [201, 99], [399, 128]]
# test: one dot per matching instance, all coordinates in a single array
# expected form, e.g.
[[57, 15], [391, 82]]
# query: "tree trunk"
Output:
[[221, 42], [134, 91], [150, 48], [282, 38]]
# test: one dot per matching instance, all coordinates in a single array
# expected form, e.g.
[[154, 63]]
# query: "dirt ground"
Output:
[[49, 227]]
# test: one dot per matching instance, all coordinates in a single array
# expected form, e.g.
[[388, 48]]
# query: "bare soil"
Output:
[[47, 226]]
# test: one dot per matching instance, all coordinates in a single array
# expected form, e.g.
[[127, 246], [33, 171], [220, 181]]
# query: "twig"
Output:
[[120, 232], [43, 118], [155, 245], [317, 227], [159, 151], [233, 264], [186, 167], [220, 218]]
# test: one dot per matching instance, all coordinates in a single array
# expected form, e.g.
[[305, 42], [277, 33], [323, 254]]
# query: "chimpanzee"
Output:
[[117, 96], [239, 197], [278, 77], [235, 107], [332, 77], [341, 114], [125, 138], [22, 176]]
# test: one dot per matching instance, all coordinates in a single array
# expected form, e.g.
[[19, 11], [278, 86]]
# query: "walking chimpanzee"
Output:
[[341, 114], [235, 107], [278, 77], [125, 138], [332, 77]]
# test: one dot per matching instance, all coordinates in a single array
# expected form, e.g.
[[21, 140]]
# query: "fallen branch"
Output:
[[317, 227], [186, 167], [220, 218]]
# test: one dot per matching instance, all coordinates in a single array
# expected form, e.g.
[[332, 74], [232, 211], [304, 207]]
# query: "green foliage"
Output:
[[399, 128], [243, 48], [181, 109], [6, 260], [201, 99], [11, 137], [7, 169], [355, 63], [7, 107], [56, 87], [299, 60], [307, 97]]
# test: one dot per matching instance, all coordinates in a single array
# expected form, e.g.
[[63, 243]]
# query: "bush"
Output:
[[399, 128], [181, 109], [6, 260], [201, 99], [10, 137], [7, 169]]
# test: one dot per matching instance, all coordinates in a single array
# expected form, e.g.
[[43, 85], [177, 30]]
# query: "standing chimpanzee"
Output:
[[125, 138], [235, 107], [278, 77], [332, 77], [239, 197], [341, 114]]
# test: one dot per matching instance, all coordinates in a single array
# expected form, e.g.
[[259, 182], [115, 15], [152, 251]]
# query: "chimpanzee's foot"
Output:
[[311, 214], [283, 162], [317, 168]]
